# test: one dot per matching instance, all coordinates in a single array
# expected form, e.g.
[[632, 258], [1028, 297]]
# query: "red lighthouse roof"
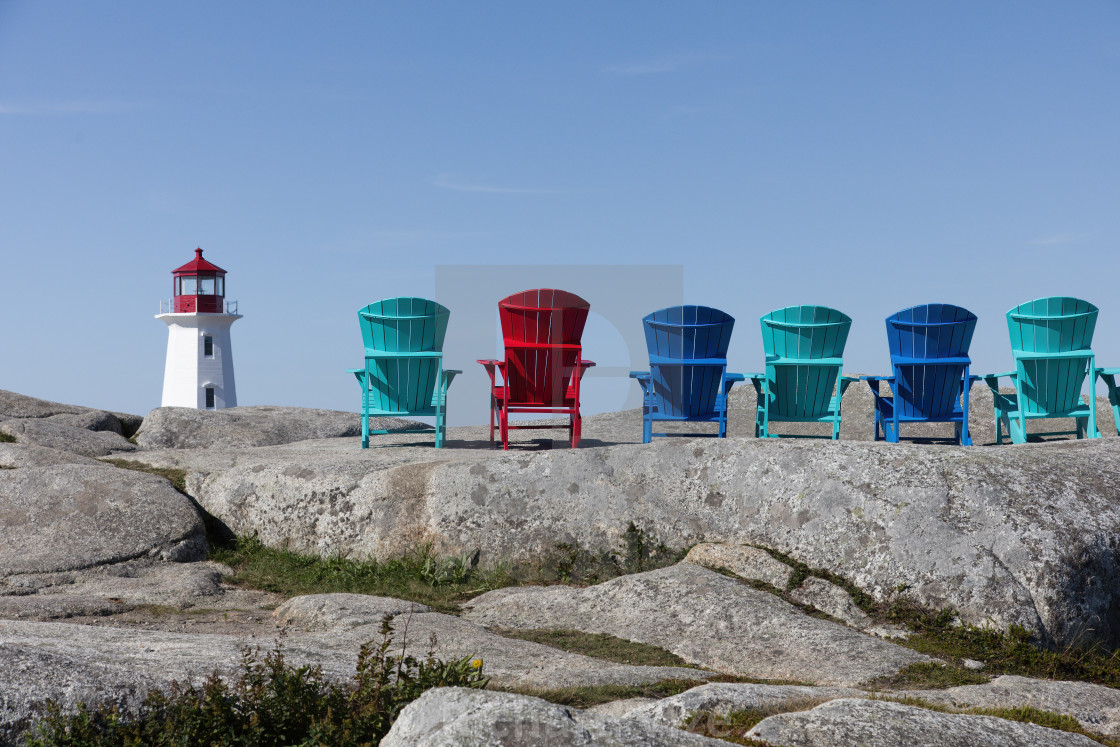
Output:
[[197, 265]]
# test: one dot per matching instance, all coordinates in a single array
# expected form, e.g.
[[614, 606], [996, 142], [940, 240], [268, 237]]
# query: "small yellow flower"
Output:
[[477, 663]]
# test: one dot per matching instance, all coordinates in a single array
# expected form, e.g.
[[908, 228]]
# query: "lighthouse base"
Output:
[[198, 372]]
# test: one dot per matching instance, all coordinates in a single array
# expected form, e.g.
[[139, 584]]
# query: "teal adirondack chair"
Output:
[[404, 373], [803, 383], [1108, 376], [1050, 341]]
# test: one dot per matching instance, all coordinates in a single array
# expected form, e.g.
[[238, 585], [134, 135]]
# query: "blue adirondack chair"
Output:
[[1050, 341], [404, 373], [803, 382], [688, 379], [929, 378]]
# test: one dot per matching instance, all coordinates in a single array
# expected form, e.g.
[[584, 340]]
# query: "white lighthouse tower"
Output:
[[199, 368]]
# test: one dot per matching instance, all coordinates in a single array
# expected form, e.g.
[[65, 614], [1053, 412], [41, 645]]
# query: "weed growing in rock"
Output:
[[270, 703], [571, 563], [7, 438]]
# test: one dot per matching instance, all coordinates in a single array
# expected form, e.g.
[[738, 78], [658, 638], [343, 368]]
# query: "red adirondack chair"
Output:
[[542, 369]]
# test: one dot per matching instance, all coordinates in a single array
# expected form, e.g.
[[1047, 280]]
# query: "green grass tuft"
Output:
[[7, 438], [420, 576]]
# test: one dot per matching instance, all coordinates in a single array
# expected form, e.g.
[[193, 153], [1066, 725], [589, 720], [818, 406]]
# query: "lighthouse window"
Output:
[[189, 285], [221, 286], [206, 286], [208, 346], [209, 398]]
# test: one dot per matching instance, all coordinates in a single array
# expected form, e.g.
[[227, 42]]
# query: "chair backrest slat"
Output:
[[542, 316], [403, 325], [792, 336], [687, 333], [1051, 326], [929, 332]]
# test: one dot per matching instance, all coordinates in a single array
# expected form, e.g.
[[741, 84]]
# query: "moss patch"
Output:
[[7, 438], [600, 646]]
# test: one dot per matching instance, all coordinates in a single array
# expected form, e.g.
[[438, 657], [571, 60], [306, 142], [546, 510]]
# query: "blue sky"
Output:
[[868, 156]]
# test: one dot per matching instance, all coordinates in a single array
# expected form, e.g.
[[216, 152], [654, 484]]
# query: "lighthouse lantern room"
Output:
[[198, 372]]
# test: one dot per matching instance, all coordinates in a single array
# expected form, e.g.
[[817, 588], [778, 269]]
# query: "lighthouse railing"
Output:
[[168, 306]]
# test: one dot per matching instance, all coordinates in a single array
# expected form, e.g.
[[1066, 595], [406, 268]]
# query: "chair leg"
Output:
[[365, 429], [647, 429], [493, 406], [503, 427], [1079, 427], [577, 426]]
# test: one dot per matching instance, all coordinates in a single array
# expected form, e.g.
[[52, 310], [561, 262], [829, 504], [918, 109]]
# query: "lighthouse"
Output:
[[199, 368]]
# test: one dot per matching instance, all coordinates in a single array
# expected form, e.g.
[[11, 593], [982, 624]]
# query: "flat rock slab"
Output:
[[16, 456], [460, 717], [705, 618], [723, 698], [1097, 707], [187, 428], [53, 434], [71, 516], [876, 723]]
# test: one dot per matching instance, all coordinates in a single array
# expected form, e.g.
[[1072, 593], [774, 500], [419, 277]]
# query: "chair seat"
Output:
[[1008, 404], [885, 406]]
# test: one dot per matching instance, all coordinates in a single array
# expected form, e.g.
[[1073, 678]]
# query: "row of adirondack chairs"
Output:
[[688, 380]]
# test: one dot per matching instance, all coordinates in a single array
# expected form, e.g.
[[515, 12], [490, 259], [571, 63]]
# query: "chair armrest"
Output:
[[874, 381], [585, 364], [755, 376], [449, 375], [992, 380], [490, 365], [359, 374], [355, 370], [1106, 371], [640, 375], [736, 377]]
